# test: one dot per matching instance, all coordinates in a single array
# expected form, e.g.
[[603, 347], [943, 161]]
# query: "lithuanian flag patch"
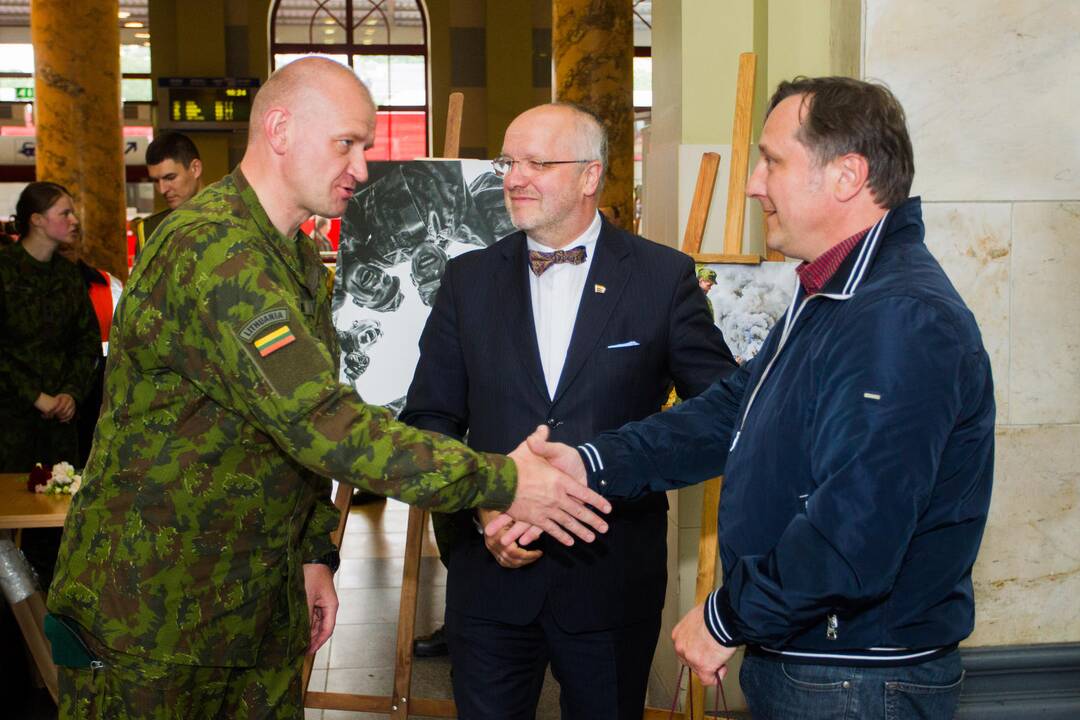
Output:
[[274, 340]]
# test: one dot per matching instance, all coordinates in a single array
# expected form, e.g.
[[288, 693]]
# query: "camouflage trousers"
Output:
[[136, 688]]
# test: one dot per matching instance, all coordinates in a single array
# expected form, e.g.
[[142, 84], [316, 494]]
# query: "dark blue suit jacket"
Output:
[[480, 377]]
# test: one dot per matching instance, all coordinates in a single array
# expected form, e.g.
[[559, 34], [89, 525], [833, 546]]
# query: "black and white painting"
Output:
[[747, 300], [397, 234]]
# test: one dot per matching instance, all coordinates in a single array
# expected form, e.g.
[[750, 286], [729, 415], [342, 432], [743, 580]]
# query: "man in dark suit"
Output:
[[573, 323]]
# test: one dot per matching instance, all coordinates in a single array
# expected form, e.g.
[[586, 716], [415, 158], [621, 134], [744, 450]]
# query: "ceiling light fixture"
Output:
[[133, 25]]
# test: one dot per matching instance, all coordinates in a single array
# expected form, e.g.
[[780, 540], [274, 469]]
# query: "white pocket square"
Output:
[[628, 343]]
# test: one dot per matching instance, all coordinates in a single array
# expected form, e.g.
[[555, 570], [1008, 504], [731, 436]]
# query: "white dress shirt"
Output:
[[556, 296]]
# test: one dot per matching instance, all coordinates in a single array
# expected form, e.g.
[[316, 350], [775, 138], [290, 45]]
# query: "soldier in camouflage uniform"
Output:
[[49, 342], [192, 556], [706, 279], [174, 166]]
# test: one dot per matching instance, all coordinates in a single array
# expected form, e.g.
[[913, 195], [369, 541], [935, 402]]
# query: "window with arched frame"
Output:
[[385, 44]]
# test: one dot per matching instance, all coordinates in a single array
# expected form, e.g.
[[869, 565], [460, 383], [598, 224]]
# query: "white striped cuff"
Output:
[[589, 451], [715, 624]]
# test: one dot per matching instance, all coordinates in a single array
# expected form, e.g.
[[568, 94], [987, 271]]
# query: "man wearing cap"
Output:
[[706, 279]]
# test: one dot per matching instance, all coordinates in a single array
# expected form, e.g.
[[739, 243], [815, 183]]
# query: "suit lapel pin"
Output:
[[598, 288]]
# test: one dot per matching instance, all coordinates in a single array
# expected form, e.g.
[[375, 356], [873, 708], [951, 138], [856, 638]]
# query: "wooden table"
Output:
[[19, 509]]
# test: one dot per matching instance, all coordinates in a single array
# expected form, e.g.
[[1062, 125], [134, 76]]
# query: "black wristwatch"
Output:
[[331, 559]]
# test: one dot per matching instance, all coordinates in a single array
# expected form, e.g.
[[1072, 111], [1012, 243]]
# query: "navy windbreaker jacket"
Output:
[[857, 449]]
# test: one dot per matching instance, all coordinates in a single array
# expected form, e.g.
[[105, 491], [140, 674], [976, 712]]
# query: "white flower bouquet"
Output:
[[62, 480]]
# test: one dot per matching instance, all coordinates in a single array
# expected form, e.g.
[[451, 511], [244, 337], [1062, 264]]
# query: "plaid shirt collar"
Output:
[[814, 275]]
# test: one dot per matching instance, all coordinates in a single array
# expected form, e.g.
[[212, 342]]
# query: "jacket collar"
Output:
[[853, 270], [298, 253]]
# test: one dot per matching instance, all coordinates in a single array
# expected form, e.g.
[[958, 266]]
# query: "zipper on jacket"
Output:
[[832, 626], [789, 322], [862, 262]]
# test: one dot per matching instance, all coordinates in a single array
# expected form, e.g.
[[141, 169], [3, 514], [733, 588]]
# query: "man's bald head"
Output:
[[590, 136], [311, 124], [555, 154], [304, 85]]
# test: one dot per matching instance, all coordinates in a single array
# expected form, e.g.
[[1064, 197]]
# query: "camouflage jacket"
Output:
[[144, 227], [49, 343], [206, 487]]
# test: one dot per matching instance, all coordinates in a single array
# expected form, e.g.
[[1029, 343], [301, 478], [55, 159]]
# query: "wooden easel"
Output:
[[733, 235], [737, 176], [399, 705]]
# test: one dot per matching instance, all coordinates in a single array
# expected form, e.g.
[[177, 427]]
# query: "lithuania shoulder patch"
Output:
[[259, 322], [274, 340]]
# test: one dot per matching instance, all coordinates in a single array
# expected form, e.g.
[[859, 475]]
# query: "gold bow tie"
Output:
[[541, 261]]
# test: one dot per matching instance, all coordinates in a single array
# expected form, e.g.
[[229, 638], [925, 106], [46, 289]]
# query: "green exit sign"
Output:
[[24, 93]]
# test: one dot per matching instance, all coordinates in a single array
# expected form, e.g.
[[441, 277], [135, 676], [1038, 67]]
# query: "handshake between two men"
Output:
[[552, 497], [505, 533]]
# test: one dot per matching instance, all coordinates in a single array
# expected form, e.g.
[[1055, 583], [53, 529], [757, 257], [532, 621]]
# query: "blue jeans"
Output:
[[781, 691]]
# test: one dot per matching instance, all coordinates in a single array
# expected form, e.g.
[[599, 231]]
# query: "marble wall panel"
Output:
[[1027, 577], [972, 241], [990, 101], [1044, 382]]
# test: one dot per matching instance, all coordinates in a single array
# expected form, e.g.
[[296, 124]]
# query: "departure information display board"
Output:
[[205, 103]]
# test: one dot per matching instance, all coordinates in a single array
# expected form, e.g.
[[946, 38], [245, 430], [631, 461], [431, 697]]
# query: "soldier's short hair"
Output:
[[285, 84], [171, 145]]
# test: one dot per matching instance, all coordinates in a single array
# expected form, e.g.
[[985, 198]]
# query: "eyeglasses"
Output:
[[504, 164]]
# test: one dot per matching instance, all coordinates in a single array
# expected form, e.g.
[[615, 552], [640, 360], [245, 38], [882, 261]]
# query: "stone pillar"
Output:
[[77, 103], [593, 51]]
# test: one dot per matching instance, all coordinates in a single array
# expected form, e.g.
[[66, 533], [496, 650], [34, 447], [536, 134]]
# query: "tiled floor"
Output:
[[359, 657]]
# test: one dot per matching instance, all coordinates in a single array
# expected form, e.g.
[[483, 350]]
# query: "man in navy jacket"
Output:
[[857, 446], [574, 323]]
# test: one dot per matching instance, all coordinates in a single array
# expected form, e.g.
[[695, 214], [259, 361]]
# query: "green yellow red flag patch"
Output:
[[274, 340]]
